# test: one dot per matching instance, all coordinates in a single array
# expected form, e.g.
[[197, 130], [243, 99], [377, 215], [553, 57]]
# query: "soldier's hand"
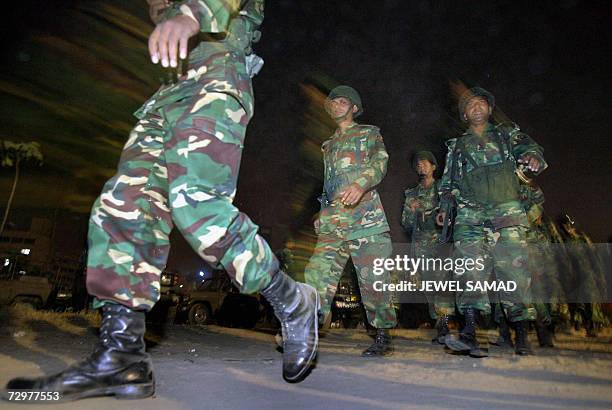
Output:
[[532, 163], [170, 37], [440, 218], [157, 8], [414, 205], [351, 195], [317, 225]]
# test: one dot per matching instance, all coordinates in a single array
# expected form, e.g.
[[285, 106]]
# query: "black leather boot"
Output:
[[591, 329], [382, 344], [117, 367], [296, 306], [467, 343], [322, 326], [545, 331], [442, 328], [505, 337], [521, 342]]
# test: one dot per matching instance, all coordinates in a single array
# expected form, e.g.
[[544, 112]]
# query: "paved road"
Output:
[[222, 368]]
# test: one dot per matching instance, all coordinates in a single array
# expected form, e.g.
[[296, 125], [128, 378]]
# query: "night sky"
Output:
[[72, 75]]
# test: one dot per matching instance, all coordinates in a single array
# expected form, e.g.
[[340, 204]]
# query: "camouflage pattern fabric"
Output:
[[504, 251], [589, 282], [482, 153], [426, 228], [180, 166], [548, 296], [532, 198], [546, 290], [356, 155], [217, 63], [494, 231], [425, 235], [326, 265], [563, 265]]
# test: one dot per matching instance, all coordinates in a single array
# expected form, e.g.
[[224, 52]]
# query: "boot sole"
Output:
[[124, 392], [456, 345], [440, 340], [478, 355], [304, 372], [388, 353]]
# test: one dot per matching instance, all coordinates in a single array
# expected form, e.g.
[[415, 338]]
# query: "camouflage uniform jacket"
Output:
[[423, 220], [357, 155], [484, 152], [218, 63]]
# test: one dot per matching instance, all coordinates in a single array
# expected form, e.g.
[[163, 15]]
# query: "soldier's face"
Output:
[[477, 111], [340, 107], [424, 167]]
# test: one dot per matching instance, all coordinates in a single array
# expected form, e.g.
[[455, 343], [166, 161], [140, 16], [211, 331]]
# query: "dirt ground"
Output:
[[214, 367]]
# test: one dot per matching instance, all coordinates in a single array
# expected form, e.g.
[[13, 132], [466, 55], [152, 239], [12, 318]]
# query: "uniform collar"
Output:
[[350, 127], [433, 185], [490, 128]]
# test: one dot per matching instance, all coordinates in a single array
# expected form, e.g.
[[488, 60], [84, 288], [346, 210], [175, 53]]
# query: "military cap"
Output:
[[428, 155], [350, 93], [471, 93]]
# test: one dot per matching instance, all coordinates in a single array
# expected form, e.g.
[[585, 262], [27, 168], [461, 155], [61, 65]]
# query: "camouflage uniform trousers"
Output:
[[504, 252], [588, 284], [440, 303], [179, 166], [546, 289], [327, 263]]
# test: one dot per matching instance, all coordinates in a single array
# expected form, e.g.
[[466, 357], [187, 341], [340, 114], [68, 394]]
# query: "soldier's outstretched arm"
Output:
[[528, 152], [184, 20]]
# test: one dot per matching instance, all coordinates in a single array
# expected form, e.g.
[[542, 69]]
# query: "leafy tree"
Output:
[[16, 154]]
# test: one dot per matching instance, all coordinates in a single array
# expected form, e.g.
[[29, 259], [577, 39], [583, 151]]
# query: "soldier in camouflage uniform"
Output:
[[419, 217], [562, 264], [180, 167], [588, 283], [532, 198], [490, 223], [546, 289], [352, 221]]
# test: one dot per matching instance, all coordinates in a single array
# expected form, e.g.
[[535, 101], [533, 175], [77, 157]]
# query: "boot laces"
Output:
[[105, 329], [280, 308], [443, 323], [381, 338]]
